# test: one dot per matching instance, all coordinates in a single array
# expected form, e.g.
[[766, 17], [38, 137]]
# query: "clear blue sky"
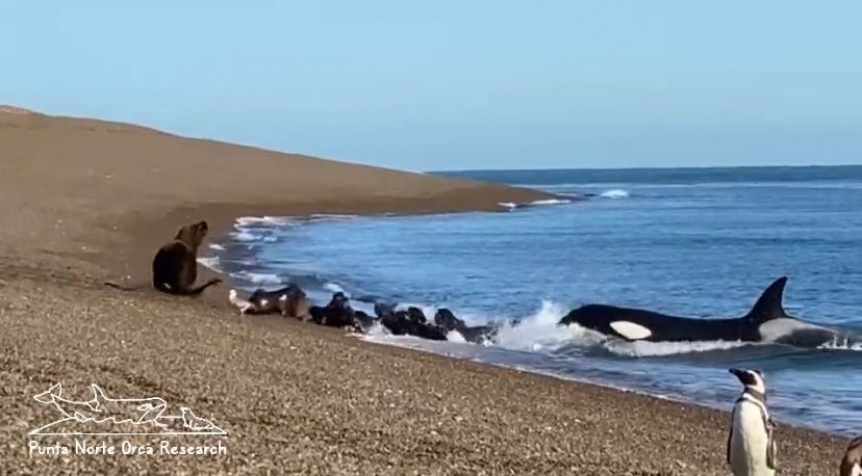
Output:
[[458, 84]]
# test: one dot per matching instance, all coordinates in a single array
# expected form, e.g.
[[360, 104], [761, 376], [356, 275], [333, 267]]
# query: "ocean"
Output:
[[692, 242]]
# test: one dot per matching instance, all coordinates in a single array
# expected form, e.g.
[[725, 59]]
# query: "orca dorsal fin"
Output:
[[770, 304]]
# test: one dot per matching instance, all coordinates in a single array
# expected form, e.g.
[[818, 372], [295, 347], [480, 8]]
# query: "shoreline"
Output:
[[277, 221], [90, 200]]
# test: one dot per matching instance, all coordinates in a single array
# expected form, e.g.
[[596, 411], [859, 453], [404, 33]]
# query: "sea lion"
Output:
[[383, 309], [265, 302], [427, 331], [175, 266], [293, 302], [337, 313], [409, 322], [364, 321], [416, 315], [290, 301], [446, 320]]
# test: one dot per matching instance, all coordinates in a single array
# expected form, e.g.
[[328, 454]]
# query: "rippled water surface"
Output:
[[702, 242]]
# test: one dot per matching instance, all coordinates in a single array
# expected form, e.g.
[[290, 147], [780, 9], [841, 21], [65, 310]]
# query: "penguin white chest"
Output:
[[856, 471], [749, 442]]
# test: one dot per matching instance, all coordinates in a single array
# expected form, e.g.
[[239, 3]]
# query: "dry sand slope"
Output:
[[88, 200]]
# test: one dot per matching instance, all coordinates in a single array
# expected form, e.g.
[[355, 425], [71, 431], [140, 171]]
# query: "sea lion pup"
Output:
[[337, 313], [293, 302], [175, 266], [428, 331], [396, 323], [382, 309], [851, 464], [364, 322], [410, 322], [264, 302], [288, 301], [446, 320], [416, 315]]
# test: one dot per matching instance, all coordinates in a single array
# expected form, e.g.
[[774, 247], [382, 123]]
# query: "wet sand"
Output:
[[87, 201]]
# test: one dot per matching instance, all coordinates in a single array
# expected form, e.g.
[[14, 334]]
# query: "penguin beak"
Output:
[[736, 372]]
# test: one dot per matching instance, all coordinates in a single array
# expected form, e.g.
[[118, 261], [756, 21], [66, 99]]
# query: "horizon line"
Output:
[[651, 167]]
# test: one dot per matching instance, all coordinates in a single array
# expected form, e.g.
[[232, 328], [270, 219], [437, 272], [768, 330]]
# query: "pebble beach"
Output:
[[90, 200]]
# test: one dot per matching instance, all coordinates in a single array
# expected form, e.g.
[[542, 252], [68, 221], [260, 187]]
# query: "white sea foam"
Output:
[[537, 203], [332, 216], [658, 349], [841, 343], [258, 278], [538, 331], [376, 332], [550, 201], [335, 288], [211, 262], [264, 220], [216, 246], [455, 336], [615, 194], [245, 236]]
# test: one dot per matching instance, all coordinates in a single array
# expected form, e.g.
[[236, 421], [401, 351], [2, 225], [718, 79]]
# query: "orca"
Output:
[[767, 321]]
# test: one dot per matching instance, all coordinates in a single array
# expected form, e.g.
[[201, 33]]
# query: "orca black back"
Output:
[[640, 324]]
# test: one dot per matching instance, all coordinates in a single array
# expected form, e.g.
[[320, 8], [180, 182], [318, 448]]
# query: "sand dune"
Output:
[[62, 178]]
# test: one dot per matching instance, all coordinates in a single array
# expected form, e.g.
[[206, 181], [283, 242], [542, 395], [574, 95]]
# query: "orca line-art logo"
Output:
[[100, 415]]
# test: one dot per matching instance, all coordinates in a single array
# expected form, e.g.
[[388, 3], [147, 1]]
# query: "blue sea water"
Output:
[[698, 242]]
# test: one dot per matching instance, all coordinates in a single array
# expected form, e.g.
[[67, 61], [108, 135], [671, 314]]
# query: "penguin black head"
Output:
[[750, 378]]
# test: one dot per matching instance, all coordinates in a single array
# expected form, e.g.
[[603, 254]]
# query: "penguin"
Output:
[[750, 443], [851, 464]]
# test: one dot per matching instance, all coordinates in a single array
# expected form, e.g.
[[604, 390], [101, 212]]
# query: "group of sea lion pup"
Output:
[[174, 271], [291, 301]]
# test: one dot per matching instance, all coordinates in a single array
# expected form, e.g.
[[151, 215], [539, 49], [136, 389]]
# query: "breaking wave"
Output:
[[243, 222], [538, 331], [615, 194], [211, 262], [511, 206], [258, 278], [662, 349]]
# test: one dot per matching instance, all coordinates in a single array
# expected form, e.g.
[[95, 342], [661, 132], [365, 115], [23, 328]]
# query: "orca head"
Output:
[[750, 378], [585, 316], [608, 320], [769, 305]]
